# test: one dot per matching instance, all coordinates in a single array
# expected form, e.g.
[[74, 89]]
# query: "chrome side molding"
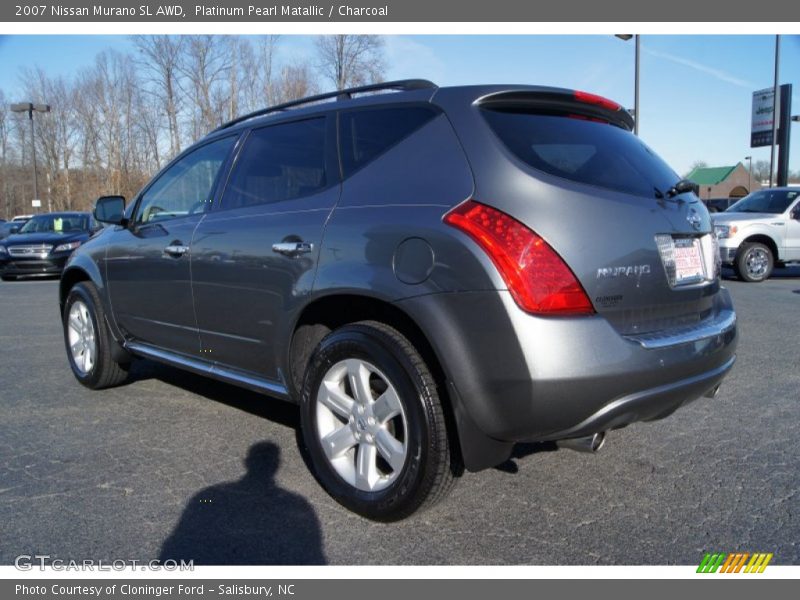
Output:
[[251, 382]]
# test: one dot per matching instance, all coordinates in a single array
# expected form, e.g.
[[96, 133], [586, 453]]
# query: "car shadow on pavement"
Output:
[[523, 450], [252, 521], [779, 273], [284, 413]]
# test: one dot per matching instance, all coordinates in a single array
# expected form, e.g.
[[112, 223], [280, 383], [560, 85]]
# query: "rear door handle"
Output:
[[292, 248], [176, 250]]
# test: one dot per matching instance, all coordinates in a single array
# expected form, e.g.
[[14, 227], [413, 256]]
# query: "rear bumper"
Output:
[[17, 267], [523, 378]]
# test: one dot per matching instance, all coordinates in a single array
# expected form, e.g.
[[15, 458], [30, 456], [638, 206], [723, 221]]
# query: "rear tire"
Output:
[[754, 262], [373, 423], [88, 341]]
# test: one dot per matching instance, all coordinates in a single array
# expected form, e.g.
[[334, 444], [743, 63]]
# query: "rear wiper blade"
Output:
[[683, 186]]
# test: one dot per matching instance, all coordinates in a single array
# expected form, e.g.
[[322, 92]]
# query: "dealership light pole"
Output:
[[626, 37], [749, 174], [775, 105], [30, 108]]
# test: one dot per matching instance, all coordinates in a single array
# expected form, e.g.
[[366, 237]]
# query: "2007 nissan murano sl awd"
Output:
[[433, 274]]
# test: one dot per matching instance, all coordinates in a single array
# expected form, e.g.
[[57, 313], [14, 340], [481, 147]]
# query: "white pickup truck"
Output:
[[760, 231]]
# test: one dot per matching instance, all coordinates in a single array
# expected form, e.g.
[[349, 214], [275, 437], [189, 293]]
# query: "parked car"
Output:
[[7, 228], [41, 245], [12, 226], [22, 218], [760, 231], [719, 204], [433, 275]]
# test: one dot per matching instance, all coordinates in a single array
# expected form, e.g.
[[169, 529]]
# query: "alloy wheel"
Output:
[[81, 335], [361, 425]]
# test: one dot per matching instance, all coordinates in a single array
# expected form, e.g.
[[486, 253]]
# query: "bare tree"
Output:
[[761, 170], [205, 65], [55, 133], [266, 52], [160, 60], [350, 60], [698, 164], [119, 119], [5, 157], [256, 72], [295, 81]]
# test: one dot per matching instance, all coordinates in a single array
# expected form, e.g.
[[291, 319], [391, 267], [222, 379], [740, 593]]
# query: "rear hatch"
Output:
[[566, 165]]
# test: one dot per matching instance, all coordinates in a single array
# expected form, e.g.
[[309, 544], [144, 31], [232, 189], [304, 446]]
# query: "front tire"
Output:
[[754, 262], [88, 341], [373, 423]]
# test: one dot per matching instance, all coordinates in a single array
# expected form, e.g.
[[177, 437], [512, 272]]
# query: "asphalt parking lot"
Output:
[[175, 466]]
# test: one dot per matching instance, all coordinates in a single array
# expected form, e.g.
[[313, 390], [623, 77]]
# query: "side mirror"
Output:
[[110, 209]]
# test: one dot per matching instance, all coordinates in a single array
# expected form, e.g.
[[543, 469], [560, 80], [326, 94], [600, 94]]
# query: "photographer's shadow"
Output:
[[251, 521]]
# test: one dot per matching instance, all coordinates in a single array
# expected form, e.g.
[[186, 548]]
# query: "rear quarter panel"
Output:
[[400, 196]]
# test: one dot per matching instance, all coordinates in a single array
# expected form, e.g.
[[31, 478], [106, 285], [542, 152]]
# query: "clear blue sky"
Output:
[[695, 90]]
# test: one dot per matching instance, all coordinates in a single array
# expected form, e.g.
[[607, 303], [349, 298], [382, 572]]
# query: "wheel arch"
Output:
[[765, 239], [330, 311], [326, 313], [87, 270], [71, 276]]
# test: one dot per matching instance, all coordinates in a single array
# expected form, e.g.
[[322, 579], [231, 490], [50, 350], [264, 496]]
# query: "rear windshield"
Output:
[[582, 150], [765, 201]]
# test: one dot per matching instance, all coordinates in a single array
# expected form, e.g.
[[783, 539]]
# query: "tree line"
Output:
[[119, 120]]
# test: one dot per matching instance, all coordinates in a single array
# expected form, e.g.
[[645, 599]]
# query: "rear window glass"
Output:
[[581, 150], [368, 133]]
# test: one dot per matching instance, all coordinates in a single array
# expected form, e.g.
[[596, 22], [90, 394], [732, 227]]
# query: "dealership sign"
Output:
[[762, 122]]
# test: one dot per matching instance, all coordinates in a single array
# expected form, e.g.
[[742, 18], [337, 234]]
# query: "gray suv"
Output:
[[432, 274]]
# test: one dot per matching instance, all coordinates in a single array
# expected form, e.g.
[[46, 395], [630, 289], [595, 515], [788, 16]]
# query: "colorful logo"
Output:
[[735, 562]]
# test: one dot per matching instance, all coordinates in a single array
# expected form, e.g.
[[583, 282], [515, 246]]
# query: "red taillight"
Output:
[[588, 98], [537, 277]]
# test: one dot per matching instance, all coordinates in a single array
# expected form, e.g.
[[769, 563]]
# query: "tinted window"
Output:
[[365, 134], [186, 187], [278, 163], [591, 152], [765, 201]]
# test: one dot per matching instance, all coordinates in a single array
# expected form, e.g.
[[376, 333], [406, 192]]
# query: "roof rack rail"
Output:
[[403, 85]]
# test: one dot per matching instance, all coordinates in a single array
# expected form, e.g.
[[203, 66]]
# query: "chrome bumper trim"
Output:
[[719, 325]]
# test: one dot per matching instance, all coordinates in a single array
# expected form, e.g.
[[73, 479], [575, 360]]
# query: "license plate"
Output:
[[688, 260]]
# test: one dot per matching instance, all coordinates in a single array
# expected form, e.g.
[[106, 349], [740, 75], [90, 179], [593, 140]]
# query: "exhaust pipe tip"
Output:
[[590, 443], [713, 392]]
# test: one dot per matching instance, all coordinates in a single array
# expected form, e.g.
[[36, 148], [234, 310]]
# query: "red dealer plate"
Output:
[[688, 260]]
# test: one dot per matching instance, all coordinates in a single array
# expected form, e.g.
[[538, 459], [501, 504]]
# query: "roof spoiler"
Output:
[[581, 104]]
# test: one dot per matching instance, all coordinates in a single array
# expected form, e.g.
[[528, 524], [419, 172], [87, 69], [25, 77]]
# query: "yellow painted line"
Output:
[[754, 562], [766, 562]]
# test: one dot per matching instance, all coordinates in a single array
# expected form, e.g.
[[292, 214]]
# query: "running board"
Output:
[[213, 370]]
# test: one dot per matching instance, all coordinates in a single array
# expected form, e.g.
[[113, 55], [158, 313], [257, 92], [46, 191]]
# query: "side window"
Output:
[[278, 163], [185, 187], [367, 133]]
